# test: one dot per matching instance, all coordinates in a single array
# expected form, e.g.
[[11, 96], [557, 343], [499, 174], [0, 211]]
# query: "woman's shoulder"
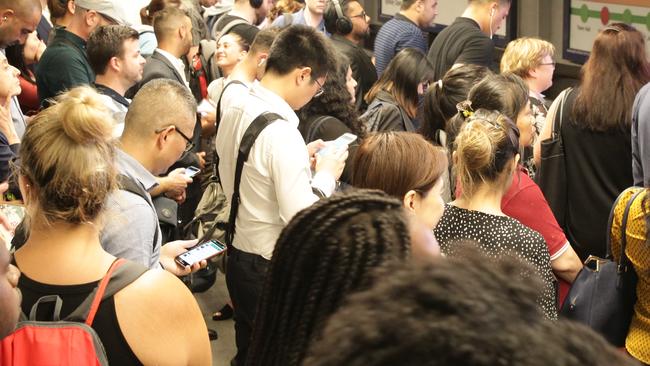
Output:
[[161, 320]]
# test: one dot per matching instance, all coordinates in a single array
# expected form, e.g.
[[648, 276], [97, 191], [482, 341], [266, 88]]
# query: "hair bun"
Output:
[[84, 117]]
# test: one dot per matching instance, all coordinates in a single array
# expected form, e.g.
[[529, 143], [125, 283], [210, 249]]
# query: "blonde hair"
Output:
[[486, 142], [524, 54], [67, 158]]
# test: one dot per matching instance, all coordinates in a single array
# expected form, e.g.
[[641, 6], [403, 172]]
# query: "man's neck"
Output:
[[312, 20], [170, 49], [112, 82], [244, 10], [475, 15], [75, 29], [411, 15], [279, 85], [353, 38], [135, 150], [245, 71]]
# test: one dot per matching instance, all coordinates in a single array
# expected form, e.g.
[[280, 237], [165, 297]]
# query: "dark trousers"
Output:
[[245, 275]]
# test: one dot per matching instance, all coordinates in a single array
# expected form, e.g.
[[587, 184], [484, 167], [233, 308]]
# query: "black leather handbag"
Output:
[[551, 176], [604, 292]]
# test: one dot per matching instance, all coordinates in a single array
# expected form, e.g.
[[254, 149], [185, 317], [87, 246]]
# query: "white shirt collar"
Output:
[[280, 105], [177, 62]]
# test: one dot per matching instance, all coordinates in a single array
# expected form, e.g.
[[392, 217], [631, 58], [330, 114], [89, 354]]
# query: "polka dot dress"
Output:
[[498, 236]]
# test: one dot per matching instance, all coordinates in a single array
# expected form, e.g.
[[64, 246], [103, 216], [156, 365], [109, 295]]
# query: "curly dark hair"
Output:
[[335, 100], [326, 252], [451, 311]]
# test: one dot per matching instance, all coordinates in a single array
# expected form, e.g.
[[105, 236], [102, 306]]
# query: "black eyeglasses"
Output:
[[189, 144], [320, 89], [362, 15], [549, 63]]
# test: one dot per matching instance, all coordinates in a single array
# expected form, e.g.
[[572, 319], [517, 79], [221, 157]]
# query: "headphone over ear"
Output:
[[343, 23], [256, 3]]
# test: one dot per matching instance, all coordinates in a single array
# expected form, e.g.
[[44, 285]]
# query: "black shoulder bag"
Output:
[[604, 292], [551, 176]]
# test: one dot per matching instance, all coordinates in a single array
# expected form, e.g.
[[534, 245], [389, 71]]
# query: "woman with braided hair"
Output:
[[326, 252]]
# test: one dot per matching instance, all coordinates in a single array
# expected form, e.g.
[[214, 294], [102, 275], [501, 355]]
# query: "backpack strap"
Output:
[[310, 135], [253, 130], [130, 185], [121, 274]]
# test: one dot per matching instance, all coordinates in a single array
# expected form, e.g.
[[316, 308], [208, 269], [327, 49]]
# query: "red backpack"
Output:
[[71, 341]]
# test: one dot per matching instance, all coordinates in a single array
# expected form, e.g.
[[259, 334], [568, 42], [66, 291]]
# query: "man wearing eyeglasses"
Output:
[[277, 179], [64, 63], [348, 36], [148, 147]]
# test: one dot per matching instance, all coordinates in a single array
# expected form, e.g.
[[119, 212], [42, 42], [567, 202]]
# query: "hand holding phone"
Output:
[[339, 144], [191, 171], [201, 251]]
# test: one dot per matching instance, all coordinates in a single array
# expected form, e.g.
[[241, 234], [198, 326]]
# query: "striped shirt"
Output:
[[395, 35]]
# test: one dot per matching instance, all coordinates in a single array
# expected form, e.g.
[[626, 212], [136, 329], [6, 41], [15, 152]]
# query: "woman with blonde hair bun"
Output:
[[66, 174], [485, 159]]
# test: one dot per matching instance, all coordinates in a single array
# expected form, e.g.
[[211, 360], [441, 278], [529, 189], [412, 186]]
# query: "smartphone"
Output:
[[201, 252], [191, 171], [341, 142]]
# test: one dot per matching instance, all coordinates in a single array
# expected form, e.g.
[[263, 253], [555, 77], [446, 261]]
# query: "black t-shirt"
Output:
[[462, 42]]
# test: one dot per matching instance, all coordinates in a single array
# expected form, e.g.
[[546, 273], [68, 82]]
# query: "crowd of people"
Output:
[[378, 207]]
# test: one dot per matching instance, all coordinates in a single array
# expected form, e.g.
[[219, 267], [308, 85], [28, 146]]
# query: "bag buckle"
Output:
[[594, 259]]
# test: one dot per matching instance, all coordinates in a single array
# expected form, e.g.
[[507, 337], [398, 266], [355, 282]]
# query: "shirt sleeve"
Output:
[[530, 208], [129, 228], [291, 173]]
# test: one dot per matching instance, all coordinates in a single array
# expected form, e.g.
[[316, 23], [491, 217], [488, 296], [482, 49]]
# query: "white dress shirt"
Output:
[[276, 180]]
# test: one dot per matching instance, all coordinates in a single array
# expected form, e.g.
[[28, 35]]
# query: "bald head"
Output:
[[160, 103], [18, 18]]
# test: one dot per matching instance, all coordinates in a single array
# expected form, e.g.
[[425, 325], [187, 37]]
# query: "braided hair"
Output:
[[326, 252]]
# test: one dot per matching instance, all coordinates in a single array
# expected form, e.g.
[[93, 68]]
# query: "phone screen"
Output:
[[200, 252], [191, 171], [341, 142]]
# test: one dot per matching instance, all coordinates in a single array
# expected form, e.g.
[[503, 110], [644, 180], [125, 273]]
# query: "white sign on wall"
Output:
[[588, 17]]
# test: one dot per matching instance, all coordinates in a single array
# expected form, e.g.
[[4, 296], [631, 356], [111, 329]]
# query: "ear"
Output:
[[162, 137], [261, 59], [6, 15], [114, 63], [25, 188], [303, 75], [71, 6], [410, 200], [517, 157], [92, 18], [242, 55]]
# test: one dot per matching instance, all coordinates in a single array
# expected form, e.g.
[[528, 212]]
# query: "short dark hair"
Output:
[[406, 4], [326, 252], [107, 42], [167, 21], [330, 16], [263, 40], [301, 46], [455, 311]]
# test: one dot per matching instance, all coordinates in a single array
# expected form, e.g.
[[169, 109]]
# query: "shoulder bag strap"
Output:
[[557, 120], [624, 261], [313, 128], [215, 155], [128, 184], [253, 130], [121, 274]]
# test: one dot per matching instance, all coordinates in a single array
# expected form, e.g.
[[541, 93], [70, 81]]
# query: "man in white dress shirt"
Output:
[[276, 179]]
